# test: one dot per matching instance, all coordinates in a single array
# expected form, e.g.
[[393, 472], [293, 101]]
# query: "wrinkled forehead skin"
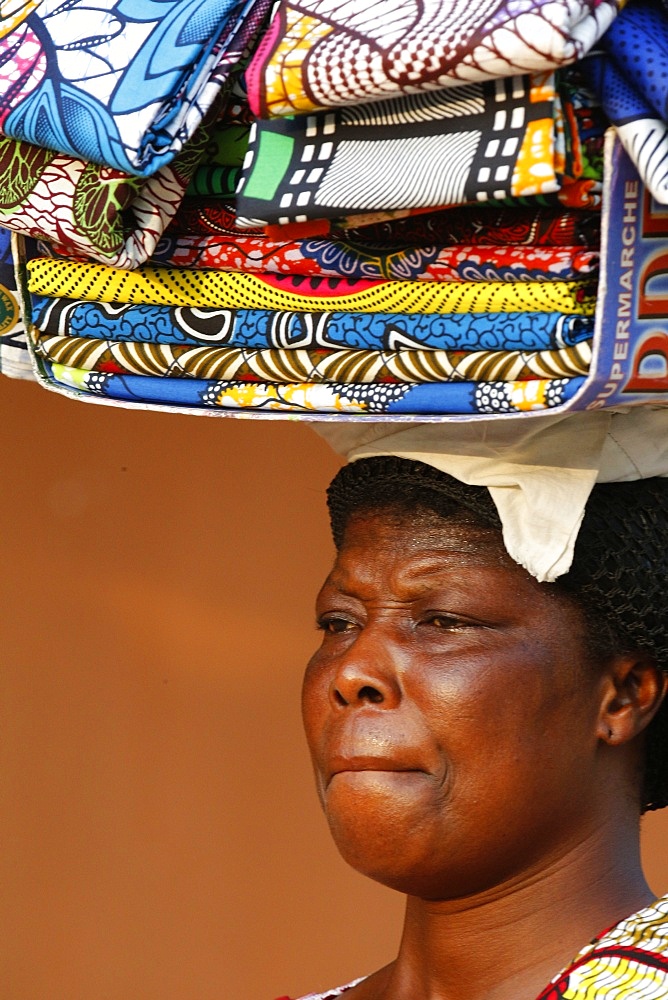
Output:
[[427, 549]]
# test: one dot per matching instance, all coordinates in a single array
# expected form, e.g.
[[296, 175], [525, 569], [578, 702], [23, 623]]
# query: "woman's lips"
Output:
[[368, 762]]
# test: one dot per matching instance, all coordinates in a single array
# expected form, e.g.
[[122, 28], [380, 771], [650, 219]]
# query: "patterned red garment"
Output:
[[339, 257], [471, 224], [207, 216]]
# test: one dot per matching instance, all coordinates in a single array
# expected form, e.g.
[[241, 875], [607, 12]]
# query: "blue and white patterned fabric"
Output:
[[264, 328], [132, 88]]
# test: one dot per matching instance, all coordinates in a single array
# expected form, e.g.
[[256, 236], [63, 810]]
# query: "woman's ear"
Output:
[[634, 688]]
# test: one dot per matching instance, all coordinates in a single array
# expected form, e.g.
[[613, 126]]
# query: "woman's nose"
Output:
[[366, 677]]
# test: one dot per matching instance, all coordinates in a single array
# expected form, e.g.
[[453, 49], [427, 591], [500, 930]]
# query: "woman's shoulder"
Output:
[[330, 994]]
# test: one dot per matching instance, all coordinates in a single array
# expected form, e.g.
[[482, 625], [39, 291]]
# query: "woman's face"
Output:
[[450, 711]]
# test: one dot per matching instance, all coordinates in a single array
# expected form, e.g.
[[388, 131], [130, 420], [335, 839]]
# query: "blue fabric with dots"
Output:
[[638, 43]]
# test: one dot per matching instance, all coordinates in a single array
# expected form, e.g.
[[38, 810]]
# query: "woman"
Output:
[[485, 743]]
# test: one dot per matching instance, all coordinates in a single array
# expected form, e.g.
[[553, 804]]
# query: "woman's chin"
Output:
[[381, 823], [379, 803]]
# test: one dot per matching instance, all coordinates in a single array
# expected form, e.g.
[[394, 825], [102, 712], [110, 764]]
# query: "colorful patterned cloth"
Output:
[[506, 138], [639, 45], [339, 257], [628, 961], [87, 209], [236, 290], [314, 365], [316, 54], [582, 194], [14, 354], [388, 303], [632, 83], [261, 329], [133, 87], [533, 225], [374, 398]]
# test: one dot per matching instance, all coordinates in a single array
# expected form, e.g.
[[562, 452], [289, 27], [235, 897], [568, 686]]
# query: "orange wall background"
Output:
[[159, 835]]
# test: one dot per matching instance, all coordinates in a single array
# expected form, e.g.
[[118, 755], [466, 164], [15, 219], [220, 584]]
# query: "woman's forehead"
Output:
[[420, 549], [416, 529]]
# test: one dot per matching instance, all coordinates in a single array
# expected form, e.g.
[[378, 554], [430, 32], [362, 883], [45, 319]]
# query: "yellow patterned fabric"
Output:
[[627, 962], [298, 365], [238, 290]]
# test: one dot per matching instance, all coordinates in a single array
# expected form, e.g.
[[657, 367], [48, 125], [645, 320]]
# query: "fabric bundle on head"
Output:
[[619, 572]]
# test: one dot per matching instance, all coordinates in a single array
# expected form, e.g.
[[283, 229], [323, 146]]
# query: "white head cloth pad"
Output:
[[539, 471]]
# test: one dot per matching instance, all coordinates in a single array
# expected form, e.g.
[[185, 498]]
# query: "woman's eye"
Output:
[[333, 625], [446, 622]]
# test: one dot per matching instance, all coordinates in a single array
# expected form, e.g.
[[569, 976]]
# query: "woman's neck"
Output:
[[509, 942]]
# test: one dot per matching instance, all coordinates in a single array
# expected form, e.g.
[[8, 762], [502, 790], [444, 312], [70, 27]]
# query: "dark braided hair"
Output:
[[619, 574]]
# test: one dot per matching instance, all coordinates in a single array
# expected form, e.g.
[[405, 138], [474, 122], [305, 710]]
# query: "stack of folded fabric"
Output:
[[402, 224]]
